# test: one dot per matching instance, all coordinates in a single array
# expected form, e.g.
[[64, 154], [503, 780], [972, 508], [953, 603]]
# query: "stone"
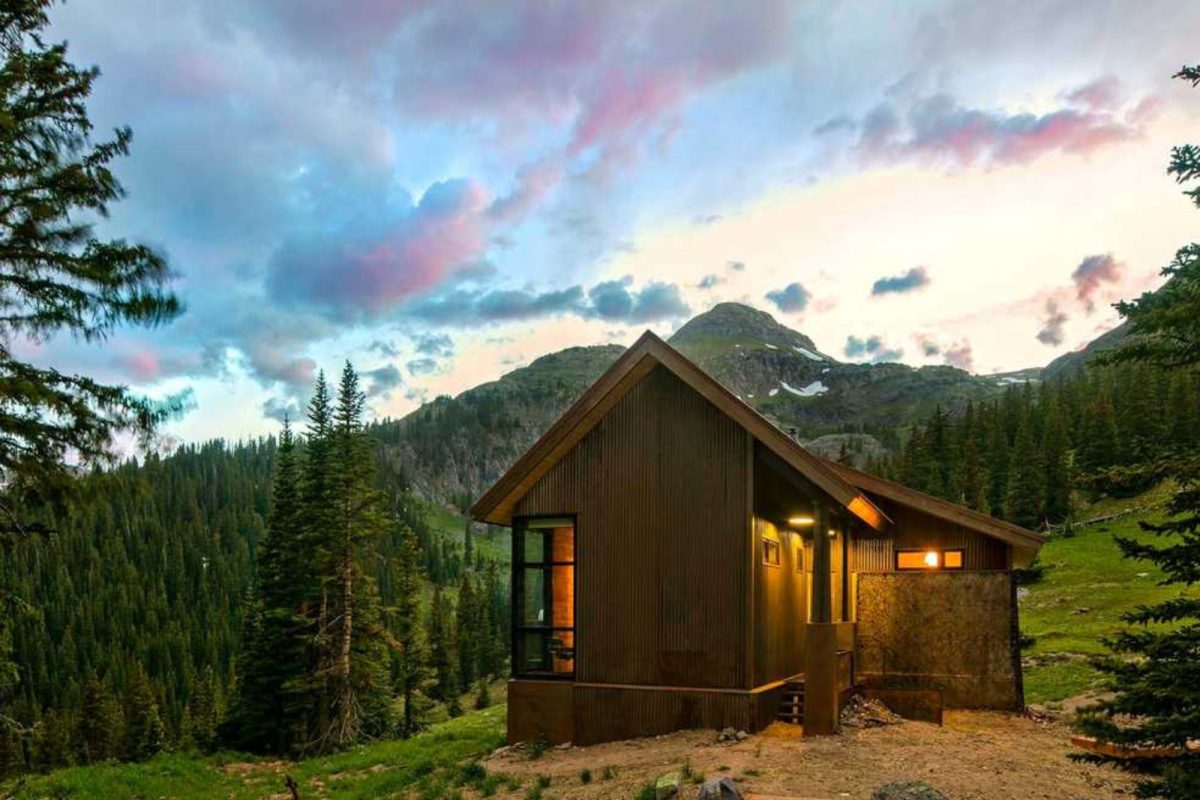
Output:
[[726, 735], [667, 786], [907, 790], [723, 788], [742, 736]]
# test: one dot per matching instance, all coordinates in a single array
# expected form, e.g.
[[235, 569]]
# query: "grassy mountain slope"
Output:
[[433, 764], [1086, 588]]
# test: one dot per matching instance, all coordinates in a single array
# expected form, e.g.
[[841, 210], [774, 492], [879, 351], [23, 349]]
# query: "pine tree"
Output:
[[1026, 489], [205, 712], [100, 723], [1154, 670], [270, 710], [361, 699], [1055, 457], [466, 623], [145, 734], [442, 649], [414, 678]]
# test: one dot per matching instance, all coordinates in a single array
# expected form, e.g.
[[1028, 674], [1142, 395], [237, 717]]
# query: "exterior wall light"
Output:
[[801, 521]]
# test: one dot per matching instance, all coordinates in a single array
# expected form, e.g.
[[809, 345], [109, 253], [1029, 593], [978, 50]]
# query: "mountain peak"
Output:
[[735, 322]]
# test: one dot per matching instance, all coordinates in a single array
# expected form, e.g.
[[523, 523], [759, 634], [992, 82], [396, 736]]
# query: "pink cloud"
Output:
[[960, 355], [1092, 274]]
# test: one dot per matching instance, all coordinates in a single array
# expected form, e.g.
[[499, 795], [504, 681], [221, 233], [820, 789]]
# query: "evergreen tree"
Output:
[[361, 699], [442, 648], [1056, 459], [1026, 489], [99, 724], [1154, 671], [205, 711], [414, 678], [470, 635], [145, 734]]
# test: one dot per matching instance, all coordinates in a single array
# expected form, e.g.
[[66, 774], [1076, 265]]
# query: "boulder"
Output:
[[907, 790], [720, 789]]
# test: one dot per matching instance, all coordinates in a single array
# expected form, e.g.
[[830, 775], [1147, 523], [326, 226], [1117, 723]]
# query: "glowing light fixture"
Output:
[[931, 559], [801, 521]]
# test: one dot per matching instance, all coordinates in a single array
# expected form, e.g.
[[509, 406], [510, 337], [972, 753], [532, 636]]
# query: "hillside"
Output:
[[454, 447]]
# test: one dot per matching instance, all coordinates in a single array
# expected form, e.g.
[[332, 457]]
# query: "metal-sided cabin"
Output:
[[680, 562]]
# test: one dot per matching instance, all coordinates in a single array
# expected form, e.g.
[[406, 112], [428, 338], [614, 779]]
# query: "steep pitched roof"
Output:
[[497, 503], [1024, 541]]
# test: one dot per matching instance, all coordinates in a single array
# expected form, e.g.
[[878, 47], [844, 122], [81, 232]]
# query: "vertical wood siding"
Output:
[[659, 490]]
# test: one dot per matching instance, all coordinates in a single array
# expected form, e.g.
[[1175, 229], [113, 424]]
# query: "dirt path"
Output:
[[974, 755]]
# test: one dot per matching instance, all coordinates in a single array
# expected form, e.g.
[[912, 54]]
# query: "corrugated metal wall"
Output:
[[915, 530], [781, 606], [659, 488]]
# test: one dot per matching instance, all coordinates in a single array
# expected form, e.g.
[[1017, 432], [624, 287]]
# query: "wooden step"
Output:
[[791, 703]]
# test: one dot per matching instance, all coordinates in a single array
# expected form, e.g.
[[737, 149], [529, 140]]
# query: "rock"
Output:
[[863, 712], [719, 789], [907, 790], [563, 746], [742, 736], [727, 735], [666, 786]]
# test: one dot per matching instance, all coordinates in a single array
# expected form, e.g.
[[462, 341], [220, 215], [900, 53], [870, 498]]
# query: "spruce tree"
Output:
[[145, 734], [1056, 460], [1026, 488], [466, 622], [414, 677], [99, 724], [1154, 669], [361, 697], [442, 650]]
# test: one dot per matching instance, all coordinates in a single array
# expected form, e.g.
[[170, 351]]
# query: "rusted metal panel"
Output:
[[608, 713], [658, 488]]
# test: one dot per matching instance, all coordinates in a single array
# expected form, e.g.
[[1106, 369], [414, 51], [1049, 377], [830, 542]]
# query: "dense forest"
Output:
[[1025, 455], [133, 609]]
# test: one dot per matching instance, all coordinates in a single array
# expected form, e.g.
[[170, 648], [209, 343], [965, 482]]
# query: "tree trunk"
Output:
[[346, 715]]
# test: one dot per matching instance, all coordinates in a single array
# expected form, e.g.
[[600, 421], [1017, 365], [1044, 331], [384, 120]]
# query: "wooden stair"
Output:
[[791, 703]]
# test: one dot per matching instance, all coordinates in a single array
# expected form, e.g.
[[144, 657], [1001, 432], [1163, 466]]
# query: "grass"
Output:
[[434, 764], [1087, 587]]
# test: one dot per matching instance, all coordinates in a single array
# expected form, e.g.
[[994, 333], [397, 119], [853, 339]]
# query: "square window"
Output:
[[771, 552]]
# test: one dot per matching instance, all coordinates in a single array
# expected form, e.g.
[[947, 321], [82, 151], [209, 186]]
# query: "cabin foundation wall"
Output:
[[584, 714], [948, 632]]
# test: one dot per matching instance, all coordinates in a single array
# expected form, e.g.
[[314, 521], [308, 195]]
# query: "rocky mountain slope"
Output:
[[453, 448]]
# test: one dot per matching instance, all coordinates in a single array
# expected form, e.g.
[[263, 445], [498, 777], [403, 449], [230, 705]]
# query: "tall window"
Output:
[[544, 597]]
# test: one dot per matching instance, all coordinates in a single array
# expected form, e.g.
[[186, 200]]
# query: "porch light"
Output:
[[931, 559], [801, 521]]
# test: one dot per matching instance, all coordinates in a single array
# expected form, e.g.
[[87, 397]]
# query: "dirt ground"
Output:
[[974, 755]]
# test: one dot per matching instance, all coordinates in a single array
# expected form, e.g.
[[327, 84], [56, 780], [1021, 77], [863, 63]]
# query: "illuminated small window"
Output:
[[771, 552], [929, 559], [799, 555]]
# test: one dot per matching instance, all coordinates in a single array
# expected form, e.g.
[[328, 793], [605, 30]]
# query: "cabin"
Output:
[[678, 562]]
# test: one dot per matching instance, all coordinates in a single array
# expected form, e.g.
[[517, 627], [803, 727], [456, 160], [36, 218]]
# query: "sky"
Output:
[[443, 191]]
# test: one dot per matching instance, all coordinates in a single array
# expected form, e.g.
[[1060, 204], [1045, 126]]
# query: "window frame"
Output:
[[772, 545], [518, 566], [941, 551]]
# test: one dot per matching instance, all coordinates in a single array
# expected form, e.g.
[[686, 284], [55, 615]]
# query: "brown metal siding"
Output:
[[781, 606], [659, 490], [915, 530]]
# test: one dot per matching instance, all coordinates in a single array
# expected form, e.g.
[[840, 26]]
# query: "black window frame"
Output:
[[518, 625], [772, 545]]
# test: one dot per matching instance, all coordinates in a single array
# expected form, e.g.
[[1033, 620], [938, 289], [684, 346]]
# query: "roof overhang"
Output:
[[1025, 543]]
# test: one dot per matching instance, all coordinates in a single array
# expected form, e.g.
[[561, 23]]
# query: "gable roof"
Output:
[[496, 505], [1025, 542]]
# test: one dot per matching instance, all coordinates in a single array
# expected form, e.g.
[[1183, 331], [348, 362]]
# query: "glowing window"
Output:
[[544, 597], [771, 552], [929, 559]]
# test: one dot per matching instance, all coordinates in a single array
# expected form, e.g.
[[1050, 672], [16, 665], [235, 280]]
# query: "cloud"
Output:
[[362, 269], [656, 301], [382, 380], [929, 346], [387, 349], [281, 409], [940, 129], [916, 278], [1102, 94], [434, 344], [710, 281], [1091, 275], [422, 366], [736, 266], [1051, 332], [791, 298], [871, 347], [960, 355]]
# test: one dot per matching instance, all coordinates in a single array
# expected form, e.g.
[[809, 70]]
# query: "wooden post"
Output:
[[820, 656], [821, 570]]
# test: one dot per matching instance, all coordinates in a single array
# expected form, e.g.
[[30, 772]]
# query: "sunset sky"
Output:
[[443, 191]]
